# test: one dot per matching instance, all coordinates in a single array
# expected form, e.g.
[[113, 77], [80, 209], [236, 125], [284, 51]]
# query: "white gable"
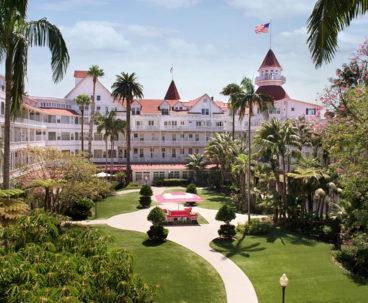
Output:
[[207, 104]]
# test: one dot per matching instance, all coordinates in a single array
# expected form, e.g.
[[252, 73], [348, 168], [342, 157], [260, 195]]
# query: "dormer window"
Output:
[[98, 98], [164, 111], [205, 111], [136, 111]]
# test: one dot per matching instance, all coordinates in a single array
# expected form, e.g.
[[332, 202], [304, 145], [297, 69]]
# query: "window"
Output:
[[163, 151], [185, 174], [310, 111], [98, 98], [173, 137], [52, 136], [135, 136], [205, 111], [197, 151], [65, 136], [197, 137], [152, 150], [173, 154], [76, 136], [97, 153], [292, 109], [136, 111], [138, 123], [151, 123], [219, 124], [141, 137], [174, 123], [135, 151], [51, 119], [141, 153], [164, 111], [190, 151], [2, 108], [138, 176], [182, 151], [163, 138], [97, 137], [98, 108], [198, 123], [182, 122], [190, 136]]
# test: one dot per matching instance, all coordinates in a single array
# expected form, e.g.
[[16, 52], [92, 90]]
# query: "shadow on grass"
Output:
[[150, 243], [282, 235], [231, 248]]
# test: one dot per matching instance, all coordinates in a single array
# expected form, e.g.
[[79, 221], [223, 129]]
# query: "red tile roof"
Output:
[[172, 92], [59, 112], [275, 91], [80, 74], [270, 60]]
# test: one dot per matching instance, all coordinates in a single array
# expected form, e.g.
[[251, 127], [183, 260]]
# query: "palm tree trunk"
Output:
[[91, 119], [8, 85], [233, 125], [82, 130], [284, 202], [111, 157], [249, 160], [128, 168], [106, 154]]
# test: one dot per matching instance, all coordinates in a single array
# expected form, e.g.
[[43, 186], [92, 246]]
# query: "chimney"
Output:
[[79, 75]]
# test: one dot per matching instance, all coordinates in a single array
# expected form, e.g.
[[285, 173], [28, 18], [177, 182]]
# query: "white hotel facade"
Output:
[[164, 131]]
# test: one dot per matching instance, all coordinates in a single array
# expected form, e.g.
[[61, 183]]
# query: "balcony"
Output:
[[268, 79]]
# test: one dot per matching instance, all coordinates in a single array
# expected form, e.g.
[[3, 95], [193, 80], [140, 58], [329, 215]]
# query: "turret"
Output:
[[270, 71], [172, 92]]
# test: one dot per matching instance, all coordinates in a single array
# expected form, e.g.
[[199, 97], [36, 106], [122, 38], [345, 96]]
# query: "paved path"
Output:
[[238, 287]]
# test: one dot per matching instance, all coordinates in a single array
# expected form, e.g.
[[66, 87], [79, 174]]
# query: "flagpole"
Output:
[[270, 35]]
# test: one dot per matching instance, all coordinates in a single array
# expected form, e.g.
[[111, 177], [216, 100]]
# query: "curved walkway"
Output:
[[238, 287]]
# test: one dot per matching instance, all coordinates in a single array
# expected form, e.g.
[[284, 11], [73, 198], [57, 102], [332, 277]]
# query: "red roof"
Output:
[[80, 74], [59, 112], [172, 93], [270, 60], [275, 91]]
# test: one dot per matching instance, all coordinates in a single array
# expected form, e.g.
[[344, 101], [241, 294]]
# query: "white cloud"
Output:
[[180, 46], [173, 3], [94, 35], [66, 5], [265, 9], [146, 31], [302, 31]]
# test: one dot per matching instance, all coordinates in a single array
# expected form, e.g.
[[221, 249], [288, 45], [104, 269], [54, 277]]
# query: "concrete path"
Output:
[[238, 287]]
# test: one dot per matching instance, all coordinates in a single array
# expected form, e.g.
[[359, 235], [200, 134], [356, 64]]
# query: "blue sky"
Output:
[[209, 42]]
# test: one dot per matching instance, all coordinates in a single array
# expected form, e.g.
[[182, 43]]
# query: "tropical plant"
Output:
[[235, 93], [226, 214], [12, 206], [247, 104], [276, 142], [196, 162], [125, 89], [65, 263], [239, 170], [104, 126], [83, 101], [191, 188], [94, 72], [17, 34], [118, 127], [328, 18]]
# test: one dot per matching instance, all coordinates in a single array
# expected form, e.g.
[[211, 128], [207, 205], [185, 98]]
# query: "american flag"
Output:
[[262, 28]]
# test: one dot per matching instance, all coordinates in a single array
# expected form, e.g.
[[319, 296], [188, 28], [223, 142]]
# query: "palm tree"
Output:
[[16, 35], [329, 17], [249, 102], [95, 72], [235, 93], [196, 162], [117, 126], [277, 141], [239, 170], [104, 126], [83, 101], [125, 89]]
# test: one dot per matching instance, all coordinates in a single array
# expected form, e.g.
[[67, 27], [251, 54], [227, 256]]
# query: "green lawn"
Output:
[[313, 275], [180, 275], [211, 199], [117, 204]]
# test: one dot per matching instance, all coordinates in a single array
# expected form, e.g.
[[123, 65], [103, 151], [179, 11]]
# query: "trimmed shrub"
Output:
[[156, 216], [145, 201], [146, 190], [226, 214], [354, 255], [81, 209], [227, 231], [170, 182], [192, 188], [132, 185], [257, 227], [157, 233]]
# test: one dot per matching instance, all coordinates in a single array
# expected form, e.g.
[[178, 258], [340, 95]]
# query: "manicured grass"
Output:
[[313, 275], [117, 204], [179, 274], [211, 199]]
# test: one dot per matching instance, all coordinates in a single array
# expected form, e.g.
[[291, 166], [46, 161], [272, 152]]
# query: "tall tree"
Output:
[[329, 17], [235, 93], [125, 89], [246, 105], [118, 127], [104, 126], [83, 101], [196, 162], [277, 140], [16, 35], [95, 72]]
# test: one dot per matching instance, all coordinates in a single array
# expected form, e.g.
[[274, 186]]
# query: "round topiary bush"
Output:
[[227, 231], [156, 216], [191, 188], [226, 214], [146, 190], [80, 210], [157, 233], [145, 201]]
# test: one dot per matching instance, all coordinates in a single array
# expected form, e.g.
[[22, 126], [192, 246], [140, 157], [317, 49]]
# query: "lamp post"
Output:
[[284, 281]]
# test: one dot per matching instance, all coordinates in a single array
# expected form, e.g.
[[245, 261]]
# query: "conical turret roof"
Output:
[[270, 60], [172, 93]]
